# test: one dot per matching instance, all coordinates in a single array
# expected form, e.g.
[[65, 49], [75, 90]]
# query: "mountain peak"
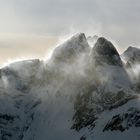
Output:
[[70, 100], [101, 40], [105, 47], [79, 36], [131, 54], [132, 48], [71, 48], [105, 52]]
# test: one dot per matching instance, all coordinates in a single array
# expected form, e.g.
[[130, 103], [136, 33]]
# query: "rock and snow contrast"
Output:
[[82, 92]]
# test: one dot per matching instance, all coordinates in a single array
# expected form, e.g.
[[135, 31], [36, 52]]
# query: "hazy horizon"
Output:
[[30, 29]]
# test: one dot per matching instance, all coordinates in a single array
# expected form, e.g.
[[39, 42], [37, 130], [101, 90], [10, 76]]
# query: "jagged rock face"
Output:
[[105, 52], [109, 67], [124, 121], [92, 102], [131, 55], [70, 61], [71, 49], [131, 58]]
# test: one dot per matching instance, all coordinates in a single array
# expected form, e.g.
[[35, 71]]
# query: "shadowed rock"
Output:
[[105, 52]]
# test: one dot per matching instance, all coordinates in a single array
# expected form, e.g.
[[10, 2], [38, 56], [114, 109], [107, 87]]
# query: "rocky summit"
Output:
[[105, 52]]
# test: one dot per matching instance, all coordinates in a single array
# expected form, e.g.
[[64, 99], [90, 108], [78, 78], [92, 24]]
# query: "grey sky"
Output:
[[118, 20]]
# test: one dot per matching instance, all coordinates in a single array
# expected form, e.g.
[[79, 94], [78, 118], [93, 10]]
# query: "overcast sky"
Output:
[[30, 28]]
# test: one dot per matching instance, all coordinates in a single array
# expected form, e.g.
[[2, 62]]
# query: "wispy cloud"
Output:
[[117, 20]]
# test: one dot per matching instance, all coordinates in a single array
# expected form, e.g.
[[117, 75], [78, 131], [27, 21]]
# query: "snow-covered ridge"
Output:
[[81, 93]]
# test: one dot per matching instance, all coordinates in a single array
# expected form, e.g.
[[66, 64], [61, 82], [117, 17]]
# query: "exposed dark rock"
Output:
[[85, 113], [122, 122], [83, 138], [105, 52], [131, 55]]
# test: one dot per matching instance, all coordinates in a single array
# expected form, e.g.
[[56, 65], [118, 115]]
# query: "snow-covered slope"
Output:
[[81, 93]]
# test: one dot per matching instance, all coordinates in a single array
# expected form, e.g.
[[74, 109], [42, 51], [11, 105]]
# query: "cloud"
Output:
[[55, 17], [118, 20]]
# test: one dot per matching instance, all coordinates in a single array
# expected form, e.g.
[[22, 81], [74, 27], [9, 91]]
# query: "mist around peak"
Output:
[[82, 92]]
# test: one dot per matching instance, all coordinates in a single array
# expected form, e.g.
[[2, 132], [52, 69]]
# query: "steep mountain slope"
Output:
[[131, 58], [81, 93], [131, 54], [71, 49], [109, 66]]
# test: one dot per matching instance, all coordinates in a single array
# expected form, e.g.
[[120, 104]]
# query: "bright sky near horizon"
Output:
[[31, 28]]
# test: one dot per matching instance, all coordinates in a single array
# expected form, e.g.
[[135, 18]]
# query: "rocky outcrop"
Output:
[[105, 52], [71, 49], [123, 122]]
